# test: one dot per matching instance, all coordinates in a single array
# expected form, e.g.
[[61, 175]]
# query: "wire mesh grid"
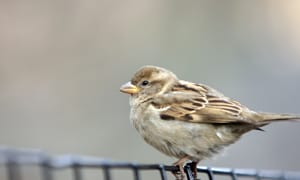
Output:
[[13, 160]]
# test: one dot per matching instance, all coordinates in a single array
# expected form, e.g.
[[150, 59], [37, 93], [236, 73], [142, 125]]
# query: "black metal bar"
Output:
[[210, 174], [13, 170], [188, 172], [162, 171], [233, 175], [77, 172], [136, 174], [46, 171], [106, 173]]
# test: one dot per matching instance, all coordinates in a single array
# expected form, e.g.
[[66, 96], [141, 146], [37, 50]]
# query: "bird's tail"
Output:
[[266, 118]]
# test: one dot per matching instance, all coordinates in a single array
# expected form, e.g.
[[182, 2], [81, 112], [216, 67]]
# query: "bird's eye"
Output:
[[145, 83]]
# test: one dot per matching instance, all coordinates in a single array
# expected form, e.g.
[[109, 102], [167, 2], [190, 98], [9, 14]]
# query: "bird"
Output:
[[186, 120]]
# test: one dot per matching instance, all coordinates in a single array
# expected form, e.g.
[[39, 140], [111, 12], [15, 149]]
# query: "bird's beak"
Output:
[[129, 88]]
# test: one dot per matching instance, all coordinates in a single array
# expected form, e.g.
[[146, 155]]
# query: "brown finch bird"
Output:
[[186, 120]]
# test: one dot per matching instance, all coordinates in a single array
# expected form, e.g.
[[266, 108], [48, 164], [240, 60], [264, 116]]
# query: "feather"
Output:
[[200, 104]]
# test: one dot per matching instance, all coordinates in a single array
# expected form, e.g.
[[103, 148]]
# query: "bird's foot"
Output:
[[180, 175], [194, 169]]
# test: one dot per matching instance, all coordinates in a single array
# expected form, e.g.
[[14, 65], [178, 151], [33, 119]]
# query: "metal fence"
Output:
[[13, 161]]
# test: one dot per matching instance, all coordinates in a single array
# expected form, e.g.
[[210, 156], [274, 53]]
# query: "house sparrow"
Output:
[[186, 120]]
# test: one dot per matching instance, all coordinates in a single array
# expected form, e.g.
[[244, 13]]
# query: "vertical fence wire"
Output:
[[46, 171], [13, 170]]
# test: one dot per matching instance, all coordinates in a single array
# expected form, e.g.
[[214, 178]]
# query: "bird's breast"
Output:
[[178, 138]]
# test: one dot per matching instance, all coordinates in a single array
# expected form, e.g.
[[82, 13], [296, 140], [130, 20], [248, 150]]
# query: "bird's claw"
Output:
[[179, 175]]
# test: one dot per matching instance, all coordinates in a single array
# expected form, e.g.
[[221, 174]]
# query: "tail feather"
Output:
[[269, 117]]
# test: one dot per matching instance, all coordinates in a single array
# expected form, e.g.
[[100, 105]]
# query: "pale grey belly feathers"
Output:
[[179, 139]]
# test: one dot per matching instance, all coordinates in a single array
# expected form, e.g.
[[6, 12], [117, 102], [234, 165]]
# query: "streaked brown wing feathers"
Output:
[[204, 107]]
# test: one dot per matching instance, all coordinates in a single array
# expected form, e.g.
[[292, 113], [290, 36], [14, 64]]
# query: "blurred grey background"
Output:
[[62, 63]]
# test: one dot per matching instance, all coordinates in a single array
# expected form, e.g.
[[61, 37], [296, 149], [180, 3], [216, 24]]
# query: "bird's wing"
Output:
[[200, 104]]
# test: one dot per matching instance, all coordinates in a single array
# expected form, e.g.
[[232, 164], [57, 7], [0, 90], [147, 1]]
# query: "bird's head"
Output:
[[149, 81]]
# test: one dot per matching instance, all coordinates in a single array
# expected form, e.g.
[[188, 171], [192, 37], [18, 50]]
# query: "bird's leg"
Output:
[[194, 168], [179, 175]]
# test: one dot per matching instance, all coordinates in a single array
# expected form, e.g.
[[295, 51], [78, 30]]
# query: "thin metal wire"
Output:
[[46, 171], [13, 171], [188, 172], [106, 173], [136, 174], [162, 171], [77, 172], [210, 174], [14, 159], [233, 175]]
